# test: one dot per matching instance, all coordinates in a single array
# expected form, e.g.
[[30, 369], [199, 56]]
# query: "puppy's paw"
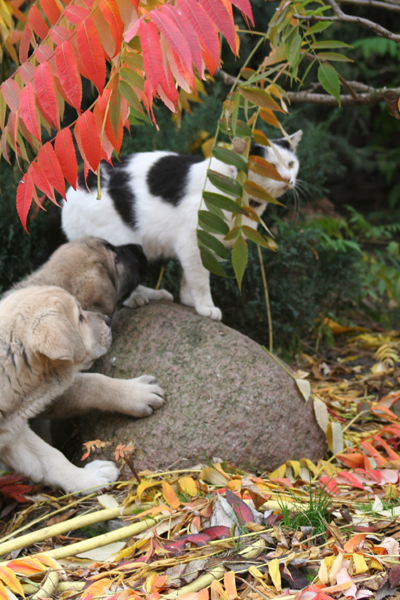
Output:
[[100, 474], [209, 311], [135, 300], [147, 396]]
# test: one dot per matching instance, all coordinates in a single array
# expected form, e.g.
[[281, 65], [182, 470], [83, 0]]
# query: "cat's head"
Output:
[[281, 154]]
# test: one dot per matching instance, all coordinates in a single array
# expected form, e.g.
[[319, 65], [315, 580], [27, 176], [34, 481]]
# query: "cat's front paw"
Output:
[[135, 300], [96, 474], [209, 311], [160, 295], [146, 397]]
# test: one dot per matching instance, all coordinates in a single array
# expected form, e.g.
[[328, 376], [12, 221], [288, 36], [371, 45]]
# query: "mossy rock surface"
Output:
[[225, 396]]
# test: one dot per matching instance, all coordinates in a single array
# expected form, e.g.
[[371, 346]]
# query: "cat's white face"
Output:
[[283, 157]]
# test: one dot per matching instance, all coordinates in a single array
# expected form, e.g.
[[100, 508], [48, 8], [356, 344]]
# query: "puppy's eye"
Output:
[[291, 164], [81, 318]]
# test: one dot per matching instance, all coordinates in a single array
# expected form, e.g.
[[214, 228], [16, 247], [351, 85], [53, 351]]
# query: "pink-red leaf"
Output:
[[89, 139], [25, 43], [218, 13], [110, 11], [48, 161], [91, 53], [245, 7], [173, 35], [188, 32], [37, 22], [46, 94], [28, 111], [59, 34], [240, 508], [12, 94], [152, 54], [65, 152], [68, 74], [51, 10], [24, 198], [27, 72], [40, 180], [76, 14], [202, 25]]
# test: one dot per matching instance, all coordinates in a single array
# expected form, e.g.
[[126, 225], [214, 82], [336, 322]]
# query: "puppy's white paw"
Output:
[[147, 396], [135, 300], [100, 473], [209, 311]]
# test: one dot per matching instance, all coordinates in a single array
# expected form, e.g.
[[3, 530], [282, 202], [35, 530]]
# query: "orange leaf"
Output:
[[89, 139], [110, 11], [51, 10], [91, 53], [3, 592], [230, 585], [260, 166], [203, 594], [392, 454], [99, 587], [65, 152], [47, 159], [353, 461], [378, 458], [217, 590], [8, 577], [26, 566], [29, 111], [46, 94], [170, 497], [354, 542]]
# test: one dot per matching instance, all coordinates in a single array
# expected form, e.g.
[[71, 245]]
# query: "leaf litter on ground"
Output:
[[305, 531]]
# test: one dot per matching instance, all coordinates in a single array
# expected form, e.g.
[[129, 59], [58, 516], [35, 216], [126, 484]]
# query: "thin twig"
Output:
[[270, 332]]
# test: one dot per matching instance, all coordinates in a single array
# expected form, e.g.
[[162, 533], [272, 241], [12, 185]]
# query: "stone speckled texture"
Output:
[[225, 396]]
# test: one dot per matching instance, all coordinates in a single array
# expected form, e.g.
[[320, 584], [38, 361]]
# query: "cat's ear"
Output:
[[296, 137]]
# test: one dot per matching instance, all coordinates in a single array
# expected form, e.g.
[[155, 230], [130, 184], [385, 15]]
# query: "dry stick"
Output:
[[71, 525], [266, 299], [48, 587]]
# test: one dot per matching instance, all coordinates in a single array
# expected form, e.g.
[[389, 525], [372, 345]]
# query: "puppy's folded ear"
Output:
[[57, 338]]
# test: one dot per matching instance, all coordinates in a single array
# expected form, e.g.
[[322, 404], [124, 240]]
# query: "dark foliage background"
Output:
[[326, 263]]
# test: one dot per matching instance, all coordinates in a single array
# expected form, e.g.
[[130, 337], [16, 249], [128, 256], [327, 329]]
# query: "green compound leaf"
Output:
[[211, 243], [210, 263], [240, 254], [212, 223], [329, 79], [229, 157], [222, 202], [225, 184], [254, 236]]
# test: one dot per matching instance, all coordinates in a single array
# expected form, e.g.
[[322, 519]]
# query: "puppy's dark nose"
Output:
[[107, 320]]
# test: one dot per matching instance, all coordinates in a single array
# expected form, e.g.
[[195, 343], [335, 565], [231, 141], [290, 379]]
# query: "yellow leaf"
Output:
[[8, 577], [304, 387], [255, 572], [275, 574], [169, 495], [334, 436], [323, 573], [206, 147], [337, 565], [295, 466], [375, 564], [230, 585], [220, 469], [213, 476], [360, 566], [188, 486], [144, 485], [150, 581], [279, 472], [3, 592], [321, 414]]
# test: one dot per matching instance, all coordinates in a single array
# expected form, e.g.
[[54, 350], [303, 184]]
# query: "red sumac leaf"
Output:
[[187, 30], [24, 197], [48, 161], [152, 54], [245, 7], [12, 94], [173, 35], [167, 91], [27, 72], [91, 53], [219, 15], [51, 10], [59, 34], [110, 11], [46, 94], [240, 508], [28, 111], [68, 74], [37, 22], [65, 152], [25, 43], [89, 139], [40, 180], [76, 14], [202, 26], [43, 54]]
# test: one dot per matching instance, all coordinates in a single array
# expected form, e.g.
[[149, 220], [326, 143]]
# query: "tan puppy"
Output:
[[45, 340], [97, 273]]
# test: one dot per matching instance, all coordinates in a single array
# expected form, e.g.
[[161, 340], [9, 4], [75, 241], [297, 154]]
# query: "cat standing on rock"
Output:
[[152, 199]]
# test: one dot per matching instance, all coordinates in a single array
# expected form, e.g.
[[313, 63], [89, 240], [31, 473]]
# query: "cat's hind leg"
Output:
[[195, 287], [141, 295], [185, 294]]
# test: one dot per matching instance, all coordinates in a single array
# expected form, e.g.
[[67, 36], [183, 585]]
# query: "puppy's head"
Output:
[[50, 322]]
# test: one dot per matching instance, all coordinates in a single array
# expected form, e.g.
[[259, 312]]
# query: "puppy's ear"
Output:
[[56, 337]]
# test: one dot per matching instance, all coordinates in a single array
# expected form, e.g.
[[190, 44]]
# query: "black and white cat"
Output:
[[152, 199]]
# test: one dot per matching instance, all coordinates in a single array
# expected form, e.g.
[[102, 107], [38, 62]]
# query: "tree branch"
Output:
[[374, 4], [342, 17]]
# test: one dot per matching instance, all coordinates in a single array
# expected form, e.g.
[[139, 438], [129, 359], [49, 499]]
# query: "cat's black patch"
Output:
[[91, 181], [257, 150], [167, 178], [283, 143], [254, 203], [120, 190]]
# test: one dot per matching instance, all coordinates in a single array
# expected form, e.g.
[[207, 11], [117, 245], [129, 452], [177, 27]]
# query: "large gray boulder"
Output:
[[226, 397]]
